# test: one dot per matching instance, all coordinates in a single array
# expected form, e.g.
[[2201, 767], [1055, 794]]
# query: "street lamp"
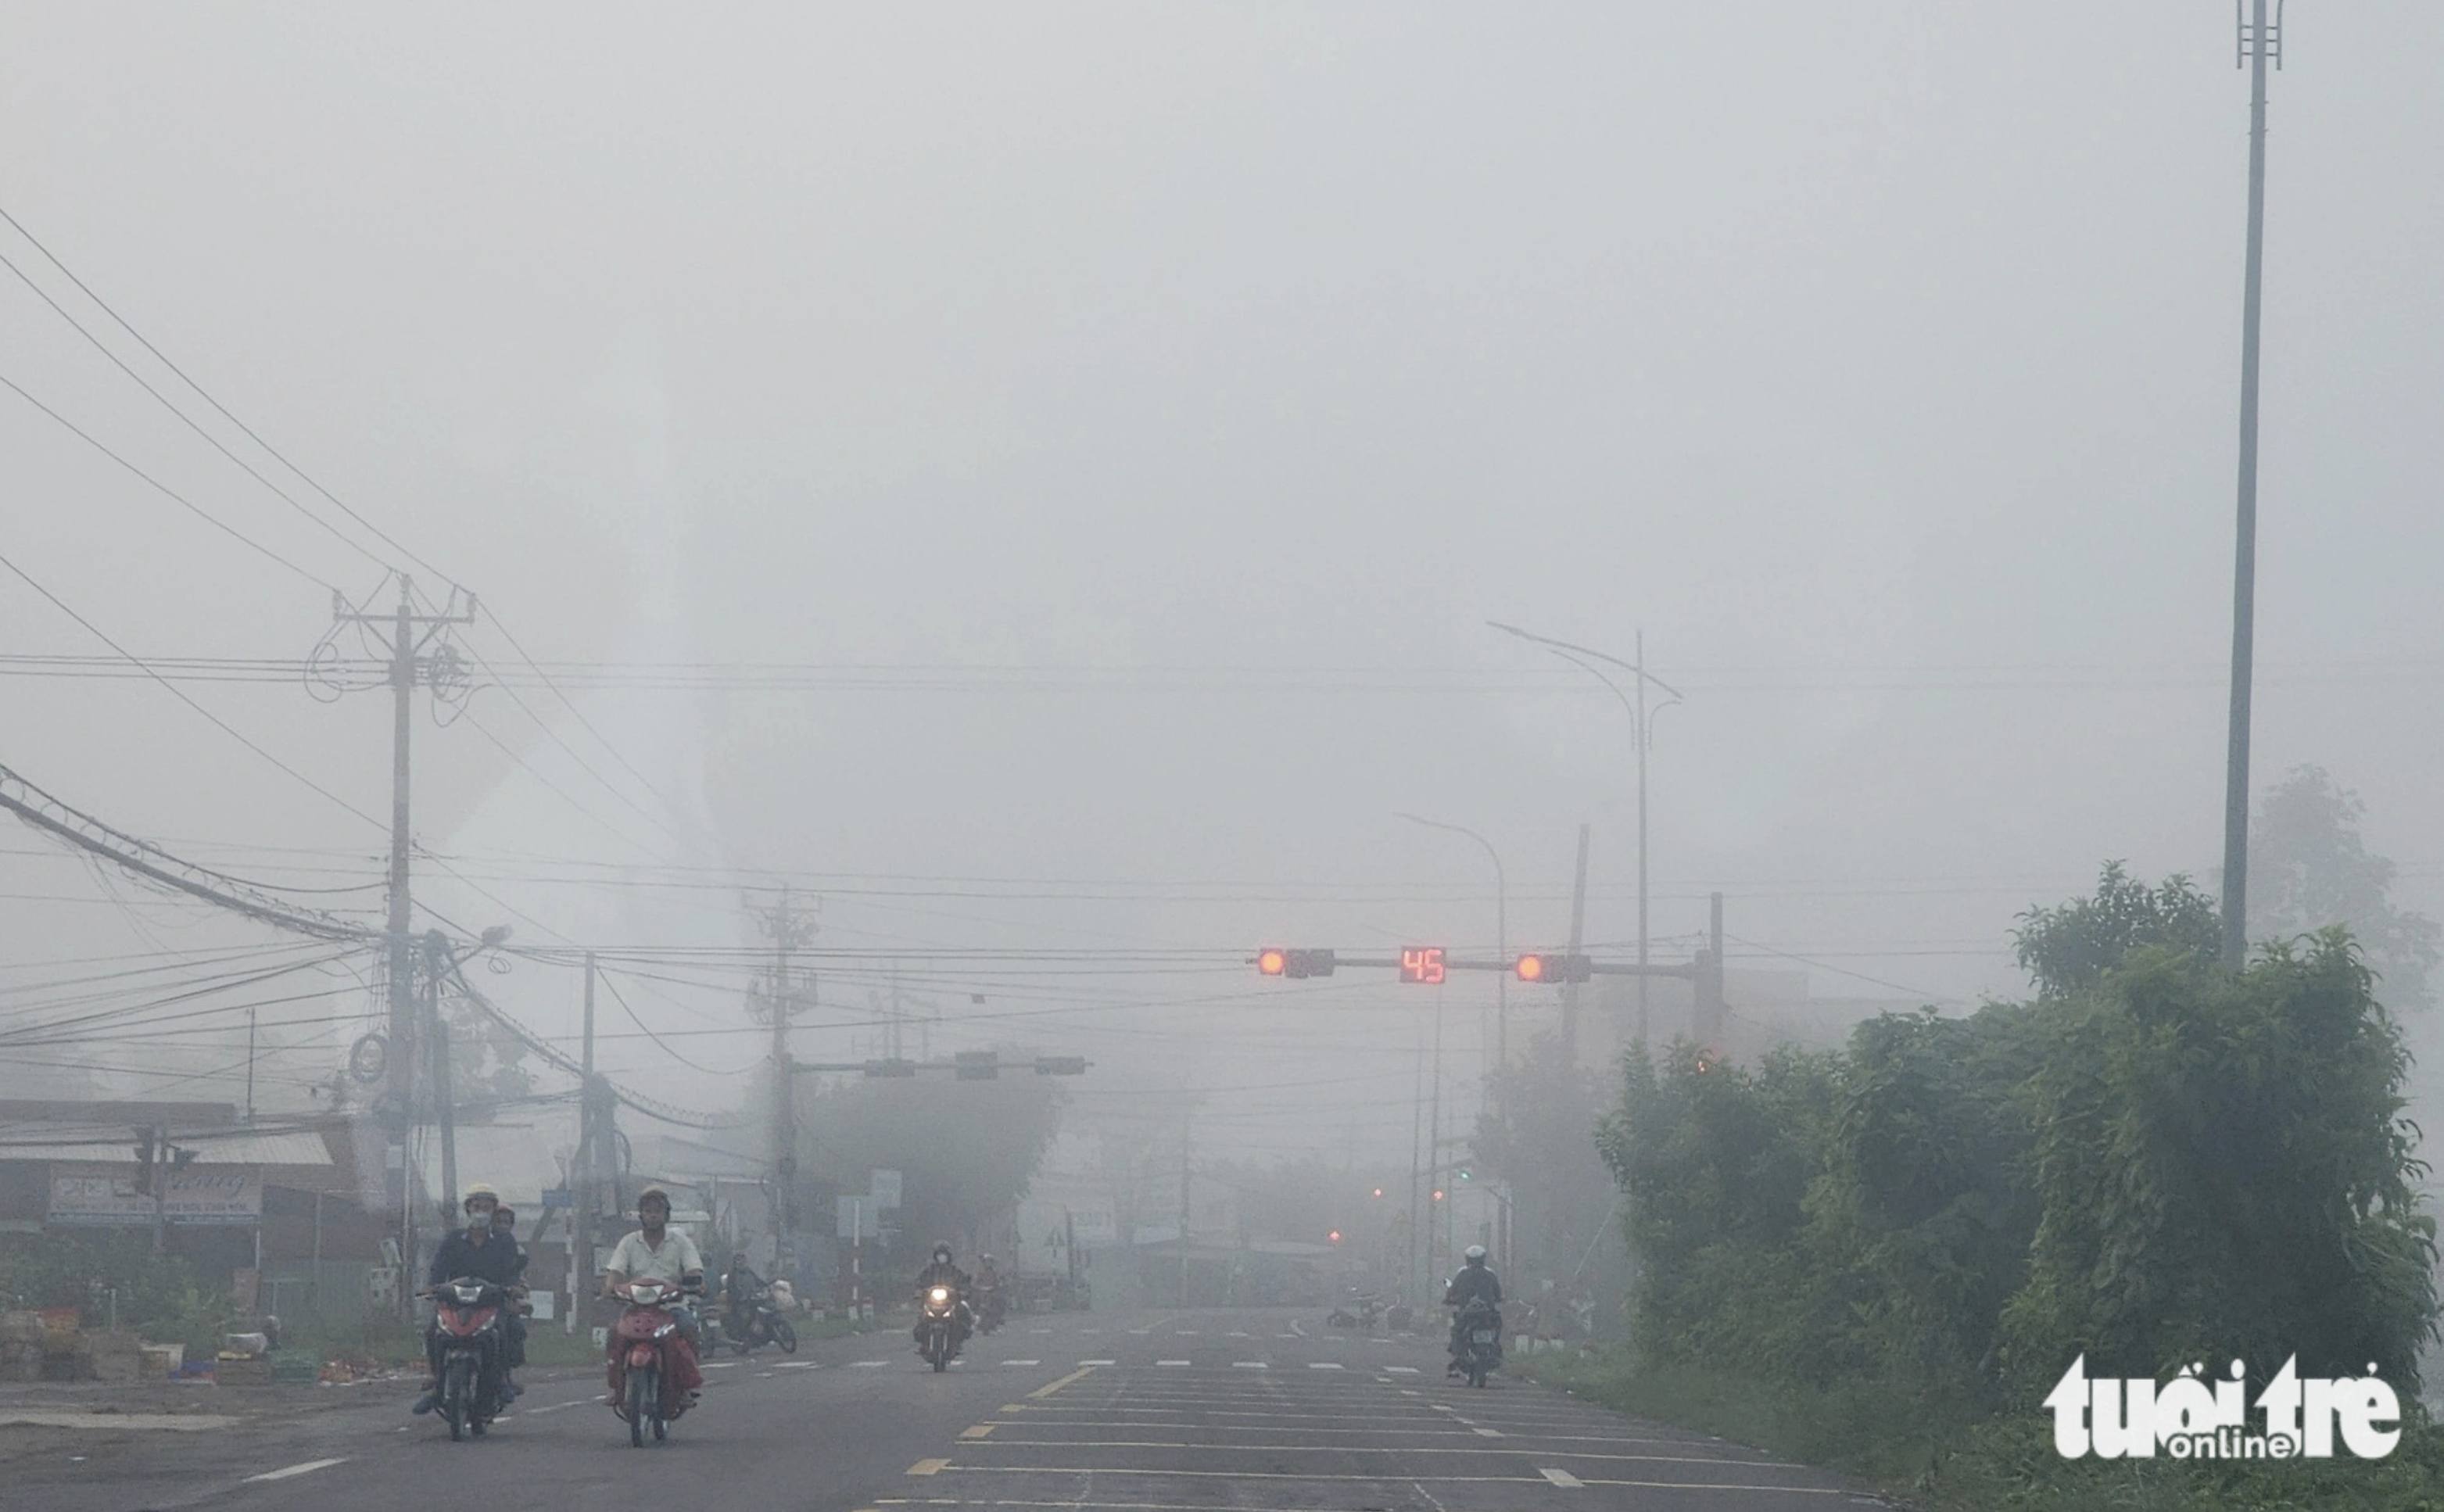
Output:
[[1641, 724]]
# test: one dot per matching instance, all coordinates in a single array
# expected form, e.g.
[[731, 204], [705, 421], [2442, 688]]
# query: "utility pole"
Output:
[[583, 1172], [2258, 45], [1706, 1024], [250, 1066], [788, 929], [1184, 1208], [1577, 941], [436, 965], [409, 639]]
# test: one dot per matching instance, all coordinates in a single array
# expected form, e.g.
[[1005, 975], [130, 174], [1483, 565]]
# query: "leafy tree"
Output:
[[2225, 1172], [2070, 947], [1537, 1136], [966, 1150], [2308, 868]]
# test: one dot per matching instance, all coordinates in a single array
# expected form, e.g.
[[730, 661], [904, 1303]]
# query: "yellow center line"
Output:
[[1078, 1375], [929, 1467], [980, 1430]]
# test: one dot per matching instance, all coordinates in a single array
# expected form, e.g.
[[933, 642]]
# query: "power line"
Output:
[[183, 417], [606, 979], [105, 306], [192, 508]]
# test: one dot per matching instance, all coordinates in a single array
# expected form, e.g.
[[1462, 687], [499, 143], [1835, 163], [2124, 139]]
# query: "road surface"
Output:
[[1202, 1412]]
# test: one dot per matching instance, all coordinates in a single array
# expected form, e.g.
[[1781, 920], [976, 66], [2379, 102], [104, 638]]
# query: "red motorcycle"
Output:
[[653, 1366], [470, 1315]]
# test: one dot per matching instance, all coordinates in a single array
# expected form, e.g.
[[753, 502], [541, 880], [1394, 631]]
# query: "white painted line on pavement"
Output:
[[1098, 1362], [866, 1364], [1021, 1362], [795, 1365], [1561, 1478], [1487, 1433], [1296, 1328], [764, 1375], [1170, 1363], [720, 1364], [1402, 1370], [1045, 1331], [1322, 1365], [561, 1407], [1183, 1333], [285, 1472], [1238, 1333], [1249, 1365]]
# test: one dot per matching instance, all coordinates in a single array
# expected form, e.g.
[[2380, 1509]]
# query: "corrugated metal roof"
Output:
[[113, 1145]]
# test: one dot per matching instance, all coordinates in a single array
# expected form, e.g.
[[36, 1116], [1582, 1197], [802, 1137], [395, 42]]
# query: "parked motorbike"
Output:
[[939, 1329], [646, 1335], [471, 1314], [1359, 1311], [1480, 1339]]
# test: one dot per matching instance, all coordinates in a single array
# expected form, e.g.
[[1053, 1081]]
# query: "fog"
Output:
[[1110, 429]]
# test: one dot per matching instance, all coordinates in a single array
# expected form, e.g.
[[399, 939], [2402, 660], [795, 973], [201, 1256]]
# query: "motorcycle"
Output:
[[990, 1309], [1359, 1311], [470, 1315], [939, 1327], [1480, 1339], [763, 1324], [646, 1334]]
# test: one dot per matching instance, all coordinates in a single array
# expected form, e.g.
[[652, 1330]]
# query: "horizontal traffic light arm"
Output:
[[1265, 961], [1043, 1065]]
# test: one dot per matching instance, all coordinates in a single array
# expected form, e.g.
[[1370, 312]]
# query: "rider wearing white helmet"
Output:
[[1474, 1280]]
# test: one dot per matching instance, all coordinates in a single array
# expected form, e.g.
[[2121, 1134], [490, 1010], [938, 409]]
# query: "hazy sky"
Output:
[[1161, 398]]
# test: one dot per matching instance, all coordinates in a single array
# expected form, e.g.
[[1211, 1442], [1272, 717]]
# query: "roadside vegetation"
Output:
[[1881, 1258]]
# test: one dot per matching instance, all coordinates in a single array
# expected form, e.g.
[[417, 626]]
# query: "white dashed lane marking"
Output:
[[308, 1467], [1561, 1478]]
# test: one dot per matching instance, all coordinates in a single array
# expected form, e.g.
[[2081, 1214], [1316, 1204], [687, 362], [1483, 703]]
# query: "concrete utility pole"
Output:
[[436, 963], [583, 1169], [788, 929], [2258, 45], [409, 640]]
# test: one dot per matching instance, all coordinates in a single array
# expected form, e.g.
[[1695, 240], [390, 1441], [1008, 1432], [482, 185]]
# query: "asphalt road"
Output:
[[1253, 1408]]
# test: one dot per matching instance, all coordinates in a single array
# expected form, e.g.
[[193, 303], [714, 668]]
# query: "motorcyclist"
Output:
[[1474, 1280], [741, 1289], [943, 1273], [662, 1253], [513, 1353], [475, 1251], [988, 1298]]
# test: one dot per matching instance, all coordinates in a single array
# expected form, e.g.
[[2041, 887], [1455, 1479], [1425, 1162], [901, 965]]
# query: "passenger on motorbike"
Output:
[[942, 1273], [989, 1305], [662, 1253], [741, 1289], [1474, 1280], [513, 1353], [478, 1251]]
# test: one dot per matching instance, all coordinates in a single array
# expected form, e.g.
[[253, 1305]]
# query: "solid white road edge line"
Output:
[[286, 1471]]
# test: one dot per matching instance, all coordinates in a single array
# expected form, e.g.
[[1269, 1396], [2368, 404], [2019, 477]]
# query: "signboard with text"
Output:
[[109, 1196]]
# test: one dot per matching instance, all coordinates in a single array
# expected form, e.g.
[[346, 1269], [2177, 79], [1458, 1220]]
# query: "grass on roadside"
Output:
[[1914, 1450]]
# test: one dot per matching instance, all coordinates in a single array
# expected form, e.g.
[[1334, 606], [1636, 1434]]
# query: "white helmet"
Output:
[[1474, 1254]]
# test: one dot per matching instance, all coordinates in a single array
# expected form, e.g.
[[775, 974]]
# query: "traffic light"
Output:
[[1274, 961], [1557, 968], [144, 1156], [1334, 1236], [1466, 1175], [1438, 1194], [891, 1068], [976, 1066], [1378, 1191]]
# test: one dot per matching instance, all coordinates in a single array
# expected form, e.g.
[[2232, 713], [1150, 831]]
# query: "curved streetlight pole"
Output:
[[1641, 717]]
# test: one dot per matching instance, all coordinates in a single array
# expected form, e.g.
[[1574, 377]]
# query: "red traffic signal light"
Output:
[[1334, 1236], [1274, 961], [1438, 1194], [1378, 1191], [1557, 969]]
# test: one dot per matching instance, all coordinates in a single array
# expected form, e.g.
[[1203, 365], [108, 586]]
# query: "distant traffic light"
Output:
[[1438, 1194], [1334, 1236], [1378, 1191], [1558, 967], [1274, 961]]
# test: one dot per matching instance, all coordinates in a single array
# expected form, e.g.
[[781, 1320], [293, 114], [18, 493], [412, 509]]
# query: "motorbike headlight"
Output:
[[940, 1294], [469, 1294], [645, 1296]]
